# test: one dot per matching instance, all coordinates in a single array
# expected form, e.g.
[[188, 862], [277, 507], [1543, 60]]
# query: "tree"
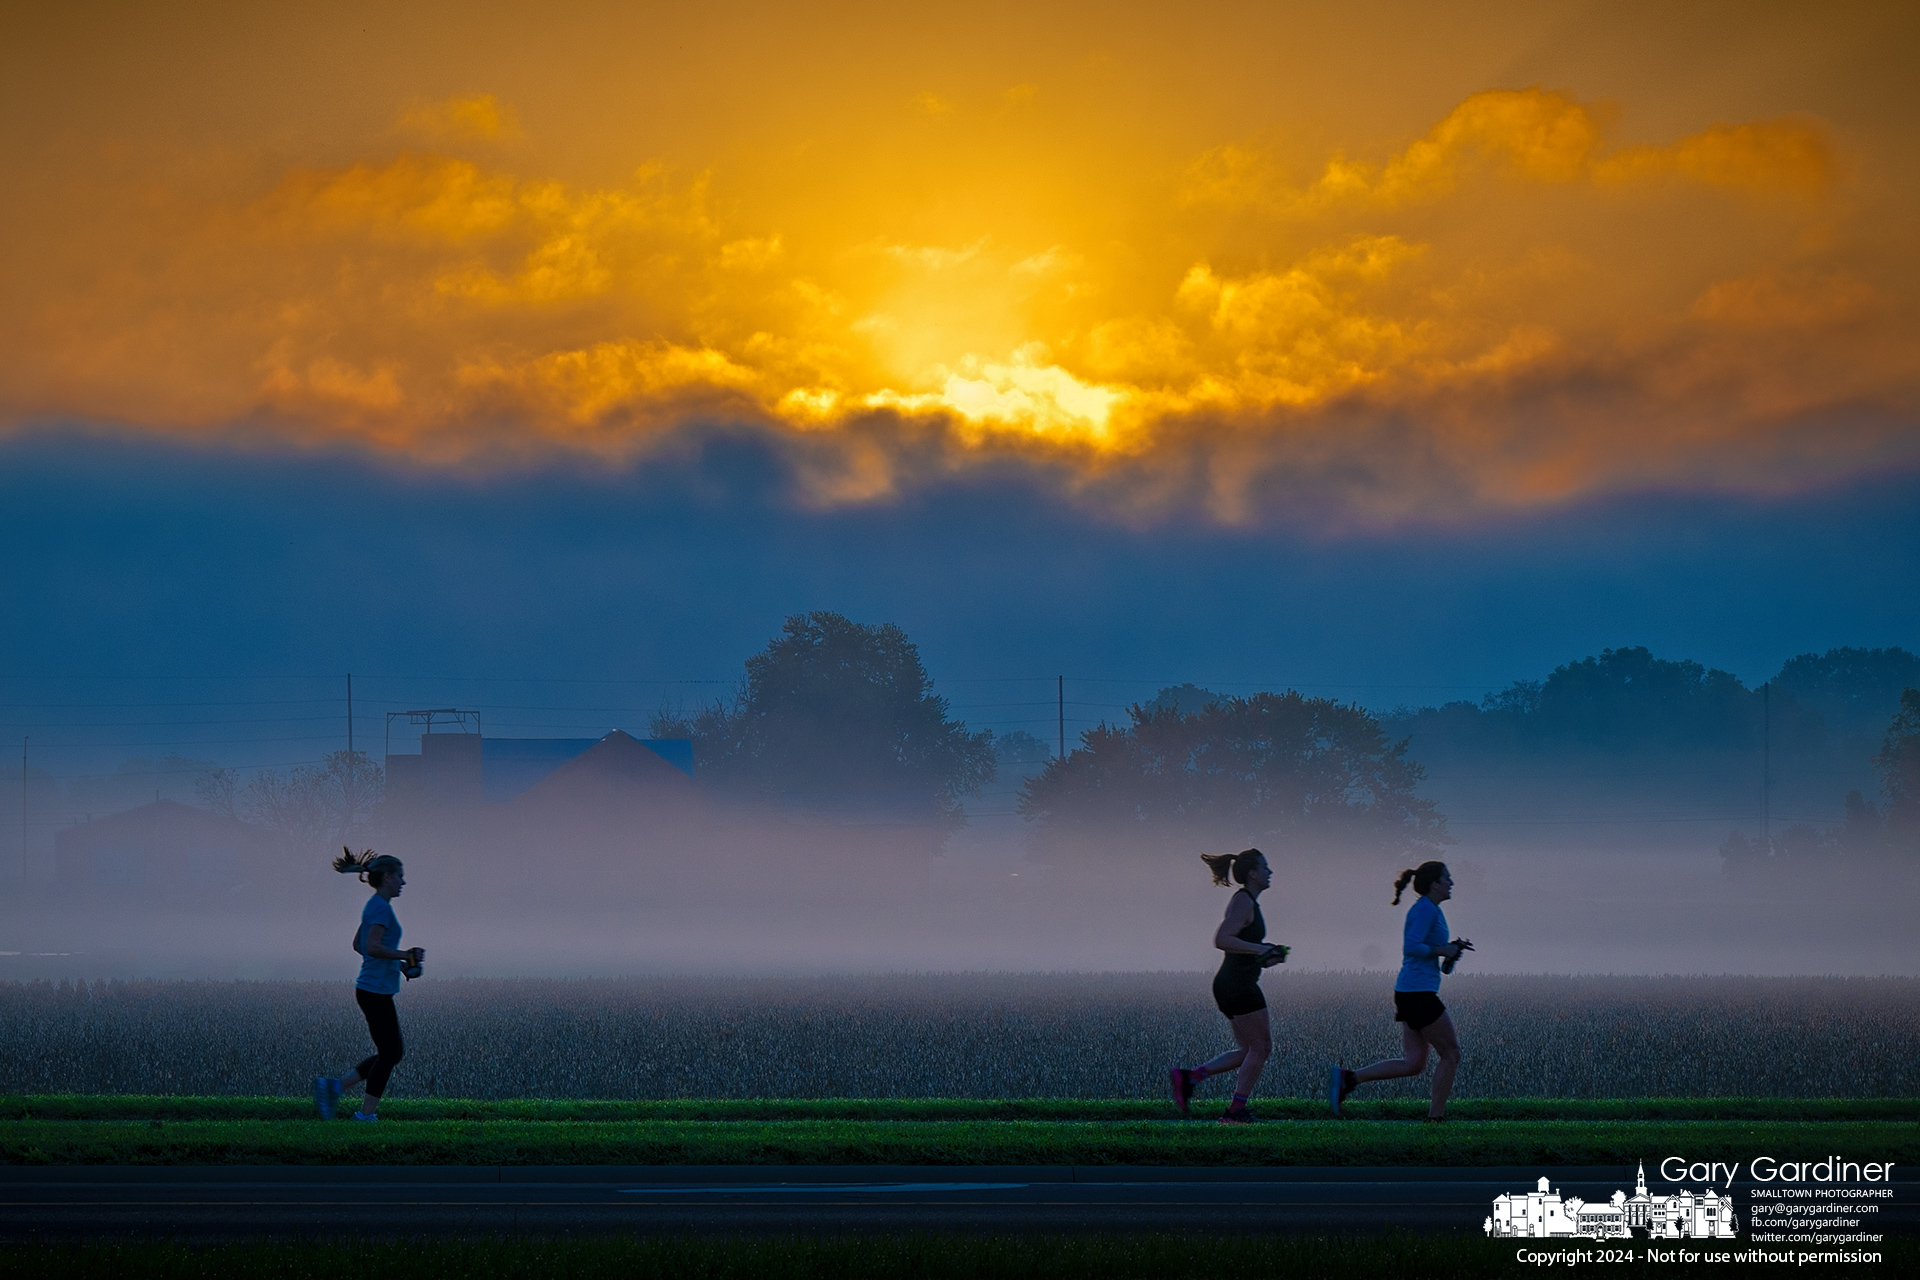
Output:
[[1863, 833], [1628, 697], [1619, 700], [1019, 753], [1280, 769], [289, 807], [839, 715], [1859, 833], [219, 789], [1854, 690], [1743, 855], [1898, 761], [1185, 698], [309, 809]]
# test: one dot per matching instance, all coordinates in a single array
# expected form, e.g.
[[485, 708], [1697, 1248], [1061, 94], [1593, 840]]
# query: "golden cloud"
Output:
[[1504, 310], [482, 117], [1532, 135]]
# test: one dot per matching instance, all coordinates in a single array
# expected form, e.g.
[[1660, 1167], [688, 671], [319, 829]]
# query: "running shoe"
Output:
[[1340, 1083], [1183, 1084], [1436, 1119], [1237, 1115], [361, 1115], [326, 1096]]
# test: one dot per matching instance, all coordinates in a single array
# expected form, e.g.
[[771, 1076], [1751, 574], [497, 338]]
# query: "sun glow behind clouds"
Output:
[[1504, 306]]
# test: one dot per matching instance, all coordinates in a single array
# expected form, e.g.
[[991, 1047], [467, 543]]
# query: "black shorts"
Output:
[[1237, 996], [1417, 1008]]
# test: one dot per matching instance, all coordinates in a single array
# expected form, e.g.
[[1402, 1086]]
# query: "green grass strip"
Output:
[[1161, 1256], [920, 1142], [173, 1107]]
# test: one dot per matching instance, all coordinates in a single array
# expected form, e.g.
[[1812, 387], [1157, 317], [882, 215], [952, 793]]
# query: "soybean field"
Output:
[[980, 1036]]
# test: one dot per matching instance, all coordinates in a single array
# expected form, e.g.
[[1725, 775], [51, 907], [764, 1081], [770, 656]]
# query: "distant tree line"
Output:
[[840, 718], [1887, 831], [1627, 699], [1195, 770], [1635, 732]]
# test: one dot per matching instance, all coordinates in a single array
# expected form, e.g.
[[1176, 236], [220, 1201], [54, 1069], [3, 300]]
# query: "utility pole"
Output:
[[349, 713], [1063, 717], [1766, 767], [23, 807]]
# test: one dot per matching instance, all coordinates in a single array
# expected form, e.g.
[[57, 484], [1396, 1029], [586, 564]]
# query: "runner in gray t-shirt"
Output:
[[381, 968]]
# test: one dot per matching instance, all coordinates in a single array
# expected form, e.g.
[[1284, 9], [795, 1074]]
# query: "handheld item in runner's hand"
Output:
[[1275, 954], [1446, 966]]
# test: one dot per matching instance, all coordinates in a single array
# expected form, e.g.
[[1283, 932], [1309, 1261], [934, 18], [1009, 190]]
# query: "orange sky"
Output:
[[1391, 260]]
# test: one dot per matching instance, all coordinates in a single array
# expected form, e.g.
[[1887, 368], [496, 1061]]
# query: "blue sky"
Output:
[[166, 598], [330, 331]]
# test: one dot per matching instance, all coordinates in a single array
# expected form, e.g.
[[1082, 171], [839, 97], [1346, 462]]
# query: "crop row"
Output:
[[962, 1036]]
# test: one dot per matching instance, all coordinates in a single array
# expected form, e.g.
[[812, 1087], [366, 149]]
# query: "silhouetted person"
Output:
[[1423, 1020], [381, 969], [1236, 987]]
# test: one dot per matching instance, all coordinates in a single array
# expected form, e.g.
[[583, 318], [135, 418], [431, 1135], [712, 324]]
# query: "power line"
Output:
[[1144, 682], [329, 678], [171, 773], [197, 742], [174, 724], [130, 706]]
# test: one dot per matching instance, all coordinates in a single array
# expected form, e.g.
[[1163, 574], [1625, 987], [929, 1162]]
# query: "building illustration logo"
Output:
[[1686, 1214]]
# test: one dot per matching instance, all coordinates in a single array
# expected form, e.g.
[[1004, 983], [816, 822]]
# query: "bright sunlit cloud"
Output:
[[1526, 296]]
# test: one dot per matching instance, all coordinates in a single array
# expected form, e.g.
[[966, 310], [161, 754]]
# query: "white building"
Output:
[[1543, 1214]]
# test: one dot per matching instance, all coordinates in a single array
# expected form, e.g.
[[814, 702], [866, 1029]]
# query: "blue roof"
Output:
[[677, 752]]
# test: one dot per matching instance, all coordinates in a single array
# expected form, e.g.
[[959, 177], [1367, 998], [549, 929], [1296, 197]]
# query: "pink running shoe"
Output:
[[1181, 1081]]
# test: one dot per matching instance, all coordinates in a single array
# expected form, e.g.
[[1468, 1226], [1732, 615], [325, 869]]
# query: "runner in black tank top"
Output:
[[1236, 987]]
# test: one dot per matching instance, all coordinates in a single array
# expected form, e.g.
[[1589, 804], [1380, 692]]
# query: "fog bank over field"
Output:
[[788, 901], [1628, 814]]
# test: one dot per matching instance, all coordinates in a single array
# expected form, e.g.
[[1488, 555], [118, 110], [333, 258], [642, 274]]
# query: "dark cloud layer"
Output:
[[137, 560]]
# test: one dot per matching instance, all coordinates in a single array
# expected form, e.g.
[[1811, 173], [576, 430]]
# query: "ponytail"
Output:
[[1422, 878], [371, 867], [1228, 868]]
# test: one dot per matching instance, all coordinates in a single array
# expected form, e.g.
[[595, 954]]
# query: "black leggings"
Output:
[[384, 1023]]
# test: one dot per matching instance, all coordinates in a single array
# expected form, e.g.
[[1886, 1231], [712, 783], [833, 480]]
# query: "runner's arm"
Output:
[[1239, 915], [375, 951]]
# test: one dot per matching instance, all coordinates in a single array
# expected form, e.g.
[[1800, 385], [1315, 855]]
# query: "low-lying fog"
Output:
[[787, 899]]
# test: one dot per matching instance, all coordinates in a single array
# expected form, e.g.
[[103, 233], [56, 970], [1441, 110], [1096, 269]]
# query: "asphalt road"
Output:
[[248, 1202]]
